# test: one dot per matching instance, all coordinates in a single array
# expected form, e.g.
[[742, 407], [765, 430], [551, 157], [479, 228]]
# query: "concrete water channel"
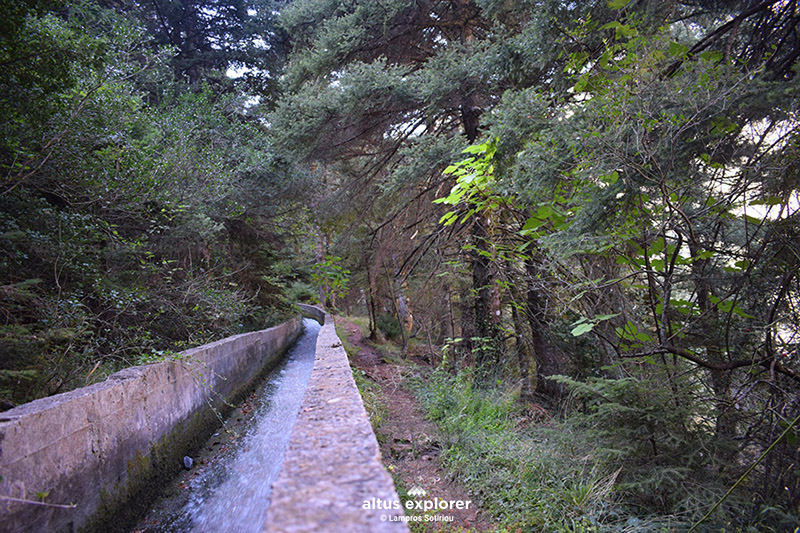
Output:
[[229, 484], [297, 455]]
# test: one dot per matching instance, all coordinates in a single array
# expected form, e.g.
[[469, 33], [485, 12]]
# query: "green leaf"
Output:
[[682, 306], [604, 59], [740, 312], [723, 126], [621, 30], [581, 84], [677, 49], [630, 332], [545, 212], [600, 318], [532, 224], [657, 246], [447, 218], [611, 178], [617, 4], [582, 328], [712, 56]]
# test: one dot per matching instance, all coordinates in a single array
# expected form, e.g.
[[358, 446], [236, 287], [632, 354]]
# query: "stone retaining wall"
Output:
[[100, 446], [332, 466]]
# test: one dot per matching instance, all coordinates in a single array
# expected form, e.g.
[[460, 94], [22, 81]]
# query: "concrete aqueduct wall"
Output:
[[332, 465], [99, 446]]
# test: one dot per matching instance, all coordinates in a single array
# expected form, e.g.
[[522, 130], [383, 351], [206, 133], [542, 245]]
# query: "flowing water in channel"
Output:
[[230, 491]]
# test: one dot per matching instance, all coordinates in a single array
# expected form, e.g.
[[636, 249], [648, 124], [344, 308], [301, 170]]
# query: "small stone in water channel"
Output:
[[187, 462]]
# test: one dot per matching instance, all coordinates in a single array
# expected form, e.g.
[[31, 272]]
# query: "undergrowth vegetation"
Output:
[[618, 459]]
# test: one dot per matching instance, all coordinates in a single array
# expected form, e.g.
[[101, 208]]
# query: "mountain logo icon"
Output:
[[417, 492]]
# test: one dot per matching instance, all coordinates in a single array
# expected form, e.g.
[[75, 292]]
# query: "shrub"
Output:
[[540, 479], [302, 292], [389, 326], [627, 457]]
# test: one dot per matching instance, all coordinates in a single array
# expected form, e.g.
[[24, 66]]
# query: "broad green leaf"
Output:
[[448, 218], [600, 318], [475, 149], [712, 56], [631, 332], [723, 126], [581, 84], [604, 59], [740, 312], [545, 212], [657, 246], [582, 328], [532, 224], [617, 4], [677, 49], [611, 178]]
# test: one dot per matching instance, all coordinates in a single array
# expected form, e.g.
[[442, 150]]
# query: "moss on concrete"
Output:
[[149, 471]]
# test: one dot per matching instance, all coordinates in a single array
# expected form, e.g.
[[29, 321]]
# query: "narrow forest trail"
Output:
[[411, 444]]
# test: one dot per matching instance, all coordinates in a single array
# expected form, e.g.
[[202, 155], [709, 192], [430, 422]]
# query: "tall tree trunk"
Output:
[[403, 307], [467, 322], [485, 329], [549, 360], [390, 279], [448, 328], [526, 355], [483, 323], [321, 248], [372, 297]]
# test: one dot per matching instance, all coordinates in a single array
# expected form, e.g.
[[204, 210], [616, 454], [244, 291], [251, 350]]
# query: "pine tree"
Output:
[[400, 89]]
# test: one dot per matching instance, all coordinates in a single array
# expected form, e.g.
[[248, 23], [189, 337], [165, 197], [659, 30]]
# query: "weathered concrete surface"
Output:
[[95, 447], [332, 466], [313, 312]]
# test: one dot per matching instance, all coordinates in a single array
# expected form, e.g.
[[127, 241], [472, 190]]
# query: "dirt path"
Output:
[[410, 444]]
